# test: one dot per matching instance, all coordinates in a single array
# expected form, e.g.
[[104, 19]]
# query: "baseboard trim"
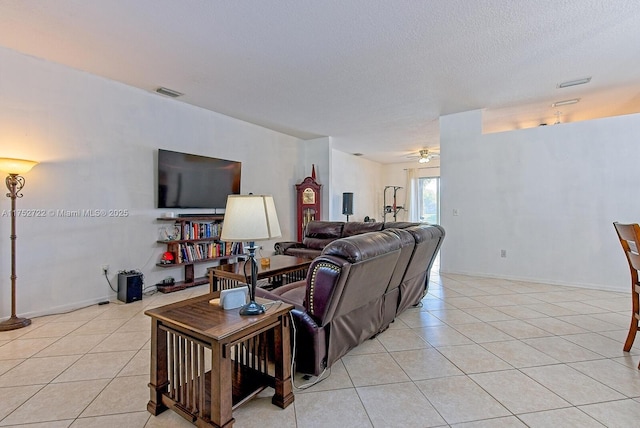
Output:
[[62, 308], [599, 287]]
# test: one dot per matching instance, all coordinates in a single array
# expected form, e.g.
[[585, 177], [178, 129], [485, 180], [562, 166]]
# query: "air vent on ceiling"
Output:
[[168, 92]]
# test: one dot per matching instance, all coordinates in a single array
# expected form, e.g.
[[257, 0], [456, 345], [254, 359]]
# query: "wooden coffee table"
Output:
[[281, 270], [206, 361]]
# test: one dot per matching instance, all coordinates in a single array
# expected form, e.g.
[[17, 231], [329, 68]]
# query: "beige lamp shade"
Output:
[[250, 218], [16, 166]]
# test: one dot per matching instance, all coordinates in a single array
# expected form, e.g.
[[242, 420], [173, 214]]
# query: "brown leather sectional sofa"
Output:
[[356, 287], [317, 234]]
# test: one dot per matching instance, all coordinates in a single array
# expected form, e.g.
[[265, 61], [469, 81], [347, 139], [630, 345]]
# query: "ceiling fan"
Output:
[[425, 155]]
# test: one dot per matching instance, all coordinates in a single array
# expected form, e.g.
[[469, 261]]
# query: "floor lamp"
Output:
[[250, 218], [15, 183]]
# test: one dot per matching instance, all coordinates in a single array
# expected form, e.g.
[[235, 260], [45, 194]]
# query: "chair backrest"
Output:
[[371, 260], [629, 235]]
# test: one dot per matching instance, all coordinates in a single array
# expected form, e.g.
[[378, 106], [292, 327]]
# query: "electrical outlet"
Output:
[[104, 269]]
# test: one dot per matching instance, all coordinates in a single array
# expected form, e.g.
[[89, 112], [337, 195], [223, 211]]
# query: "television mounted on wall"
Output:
[[193, 181]]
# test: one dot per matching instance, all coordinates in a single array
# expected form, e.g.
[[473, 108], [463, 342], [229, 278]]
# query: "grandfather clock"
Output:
[[308, 205]]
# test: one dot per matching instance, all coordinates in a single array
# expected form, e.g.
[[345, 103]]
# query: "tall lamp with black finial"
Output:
[[15, 183]]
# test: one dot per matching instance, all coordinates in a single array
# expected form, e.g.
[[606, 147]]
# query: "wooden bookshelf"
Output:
[[194, 240]]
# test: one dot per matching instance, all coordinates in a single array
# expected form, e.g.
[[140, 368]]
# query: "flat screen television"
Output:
[[193, 181]]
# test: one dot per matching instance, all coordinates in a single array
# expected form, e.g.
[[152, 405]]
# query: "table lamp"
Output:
[[250, 218], [15, 183]]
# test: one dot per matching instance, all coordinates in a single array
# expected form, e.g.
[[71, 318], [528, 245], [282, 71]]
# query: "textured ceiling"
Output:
[[374, 75]]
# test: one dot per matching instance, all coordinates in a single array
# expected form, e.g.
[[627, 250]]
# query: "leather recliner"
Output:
[[355, 289]]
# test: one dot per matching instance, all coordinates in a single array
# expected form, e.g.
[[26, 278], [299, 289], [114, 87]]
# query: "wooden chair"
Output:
[[629, 235]]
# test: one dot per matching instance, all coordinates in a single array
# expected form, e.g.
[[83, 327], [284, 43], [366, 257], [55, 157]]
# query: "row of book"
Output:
[[201, 230], [188, 253]]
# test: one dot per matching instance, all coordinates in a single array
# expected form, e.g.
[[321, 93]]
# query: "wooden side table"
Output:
[[245, 355]]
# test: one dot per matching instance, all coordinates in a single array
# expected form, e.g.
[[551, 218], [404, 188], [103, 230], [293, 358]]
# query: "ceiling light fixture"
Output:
[[169, 92], [574, 82], [424, 156], [565, 102]]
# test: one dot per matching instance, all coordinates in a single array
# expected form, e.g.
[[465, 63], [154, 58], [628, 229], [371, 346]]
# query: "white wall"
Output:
[[316, 154], [360, 176], [97, 140], [546, 195]]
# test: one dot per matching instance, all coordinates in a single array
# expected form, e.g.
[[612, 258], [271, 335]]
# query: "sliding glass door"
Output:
[[429, 199]]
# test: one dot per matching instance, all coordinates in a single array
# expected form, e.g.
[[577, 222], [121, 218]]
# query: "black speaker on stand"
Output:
[[347, 204]]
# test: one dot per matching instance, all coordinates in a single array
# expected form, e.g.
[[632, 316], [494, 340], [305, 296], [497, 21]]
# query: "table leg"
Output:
[[221, 387], [159, 375], [284, 390]]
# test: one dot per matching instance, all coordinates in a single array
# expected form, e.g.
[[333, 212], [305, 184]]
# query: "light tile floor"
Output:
[[479, 353]]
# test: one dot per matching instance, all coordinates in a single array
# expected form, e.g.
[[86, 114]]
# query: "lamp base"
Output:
[[14, 323], [252, 308]]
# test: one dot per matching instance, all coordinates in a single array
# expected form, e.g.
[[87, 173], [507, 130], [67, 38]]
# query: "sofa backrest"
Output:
[[358, 227], [428, 239], [317, 234], [400, 224], [407, 243], [392, 293]]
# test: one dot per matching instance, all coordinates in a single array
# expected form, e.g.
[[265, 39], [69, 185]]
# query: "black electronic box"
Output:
[[129, 286]]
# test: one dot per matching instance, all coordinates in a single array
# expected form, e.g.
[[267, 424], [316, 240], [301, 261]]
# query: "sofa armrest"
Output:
[[323, 278], [310, 344], [281, 247], [292, 293]]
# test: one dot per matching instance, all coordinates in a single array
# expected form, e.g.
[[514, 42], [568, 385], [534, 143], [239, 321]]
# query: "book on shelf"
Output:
[[200, 230], [190, 252]]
